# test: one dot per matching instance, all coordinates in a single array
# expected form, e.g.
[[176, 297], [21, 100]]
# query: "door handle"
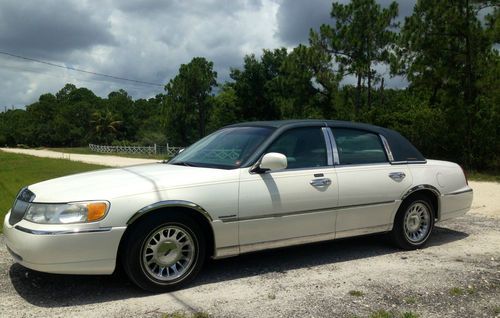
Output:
[[321, 182], [397, 176]]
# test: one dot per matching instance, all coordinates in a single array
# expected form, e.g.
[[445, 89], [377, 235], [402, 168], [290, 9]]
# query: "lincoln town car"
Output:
[[244, 188]]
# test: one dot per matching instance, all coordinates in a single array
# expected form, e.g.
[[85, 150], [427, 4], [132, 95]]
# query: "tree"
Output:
[[446, 51], [225, 109], [360, 39], [187, 101], [106, 127], [252, 85], [306, 85]]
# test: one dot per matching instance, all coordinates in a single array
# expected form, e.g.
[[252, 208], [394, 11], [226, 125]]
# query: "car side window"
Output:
[[358, 146], [303, 147]]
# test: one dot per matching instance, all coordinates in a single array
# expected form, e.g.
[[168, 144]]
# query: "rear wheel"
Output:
[[164, 252], [414, 222]]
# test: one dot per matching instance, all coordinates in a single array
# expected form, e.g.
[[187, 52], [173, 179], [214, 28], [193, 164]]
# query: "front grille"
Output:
[[21, 205]]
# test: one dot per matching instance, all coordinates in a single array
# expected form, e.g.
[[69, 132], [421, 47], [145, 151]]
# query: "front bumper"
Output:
[[63, 249]]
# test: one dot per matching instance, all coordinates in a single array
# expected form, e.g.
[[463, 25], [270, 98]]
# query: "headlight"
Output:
[[77, 212]]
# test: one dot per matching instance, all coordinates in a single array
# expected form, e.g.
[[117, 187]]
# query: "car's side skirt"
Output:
[[236, 250]]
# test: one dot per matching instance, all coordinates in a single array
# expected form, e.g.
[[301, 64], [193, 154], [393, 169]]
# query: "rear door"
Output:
[[369, 186]]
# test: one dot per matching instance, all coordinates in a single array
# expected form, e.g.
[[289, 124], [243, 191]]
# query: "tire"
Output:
[[163, 252], [414, 222]]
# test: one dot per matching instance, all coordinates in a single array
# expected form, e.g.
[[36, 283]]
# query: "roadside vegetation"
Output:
[[444, 55], [484, 176], [17, 171]]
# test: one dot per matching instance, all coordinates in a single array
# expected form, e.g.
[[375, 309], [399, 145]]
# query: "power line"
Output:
[[80, 70]]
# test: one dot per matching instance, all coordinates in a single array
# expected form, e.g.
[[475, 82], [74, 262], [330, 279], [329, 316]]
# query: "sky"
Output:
[[143, 40]]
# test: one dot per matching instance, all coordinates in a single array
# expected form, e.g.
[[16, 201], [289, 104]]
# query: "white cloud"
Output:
[[145, 40]]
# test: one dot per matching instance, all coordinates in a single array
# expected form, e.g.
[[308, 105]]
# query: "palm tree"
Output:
[[106, 127]]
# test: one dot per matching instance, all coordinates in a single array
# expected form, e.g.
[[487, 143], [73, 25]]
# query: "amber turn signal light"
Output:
[[96, 211]]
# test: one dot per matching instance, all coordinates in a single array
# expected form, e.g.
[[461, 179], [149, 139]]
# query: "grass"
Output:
[[18, 170], [87, 151], [356, 293], [496, 310], [409, 314], [388, 314], [482, 176], [410, 300], [456, 291], [382, 314]]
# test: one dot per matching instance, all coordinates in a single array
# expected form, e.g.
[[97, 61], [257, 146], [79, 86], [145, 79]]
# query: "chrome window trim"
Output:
[[336, 160], [294, 169], [388, 151], [75, 231], [336, 152], [328, 143], [386, 163]]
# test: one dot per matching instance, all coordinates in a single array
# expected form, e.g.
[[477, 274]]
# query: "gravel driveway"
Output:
[[457, 275]]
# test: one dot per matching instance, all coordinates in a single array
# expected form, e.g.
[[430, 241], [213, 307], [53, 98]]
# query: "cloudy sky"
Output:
[[144, 40]]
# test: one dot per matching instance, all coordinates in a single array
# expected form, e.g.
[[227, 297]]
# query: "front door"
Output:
[[295, 203]]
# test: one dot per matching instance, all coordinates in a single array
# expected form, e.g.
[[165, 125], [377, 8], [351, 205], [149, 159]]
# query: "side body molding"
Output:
[[169, 203]]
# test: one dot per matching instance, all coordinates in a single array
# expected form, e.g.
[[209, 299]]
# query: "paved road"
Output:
[[112, 161]]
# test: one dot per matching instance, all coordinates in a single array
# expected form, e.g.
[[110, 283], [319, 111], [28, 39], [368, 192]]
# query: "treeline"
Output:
[[447, 51]]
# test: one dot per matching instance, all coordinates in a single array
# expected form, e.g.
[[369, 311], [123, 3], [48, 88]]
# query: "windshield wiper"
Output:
[[183, 163]]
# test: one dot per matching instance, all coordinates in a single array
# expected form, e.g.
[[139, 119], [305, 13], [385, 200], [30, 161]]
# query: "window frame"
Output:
[[381, 138], [328, 147]]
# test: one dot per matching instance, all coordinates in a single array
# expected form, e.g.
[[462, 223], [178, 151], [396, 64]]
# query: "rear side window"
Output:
[[358, 147], [303, 147]]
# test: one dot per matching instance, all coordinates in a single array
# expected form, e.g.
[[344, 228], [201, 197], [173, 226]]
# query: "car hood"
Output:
[[119, 182]]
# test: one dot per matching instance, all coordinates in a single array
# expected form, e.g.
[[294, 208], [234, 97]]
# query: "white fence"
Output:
[[151, 150]]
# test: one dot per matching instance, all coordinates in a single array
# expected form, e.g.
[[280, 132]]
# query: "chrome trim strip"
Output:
[[387, 148], [421, 187], [76, 231], [276, 215], [286, 242], [408, 162], [386, 163], [362, 231], [329, 150], [460, 192], [169, 203], [228, 251], [336, 160]]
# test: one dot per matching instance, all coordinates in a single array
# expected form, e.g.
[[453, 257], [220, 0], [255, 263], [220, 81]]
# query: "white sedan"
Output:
[[244, 188]]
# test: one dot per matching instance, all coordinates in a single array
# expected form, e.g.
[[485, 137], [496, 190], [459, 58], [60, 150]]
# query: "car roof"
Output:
[[306, 122], [401, 148]]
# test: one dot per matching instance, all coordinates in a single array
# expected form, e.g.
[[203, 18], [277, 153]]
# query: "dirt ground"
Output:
[[456, 275]]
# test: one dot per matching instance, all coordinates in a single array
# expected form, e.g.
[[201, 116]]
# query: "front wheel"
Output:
[[164, 252], [414, 222]]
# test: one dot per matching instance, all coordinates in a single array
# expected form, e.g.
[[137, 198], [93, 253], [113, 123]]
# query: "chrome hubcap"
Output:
[[168, 253], [417, 222]]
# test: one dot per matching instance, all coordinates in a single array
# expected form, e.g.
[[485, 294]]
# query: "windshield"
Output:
[[226, 149]]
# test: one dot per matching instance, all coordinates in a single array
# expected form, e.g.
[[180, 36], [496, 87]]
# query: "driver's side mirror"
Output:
[[271, 161]]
